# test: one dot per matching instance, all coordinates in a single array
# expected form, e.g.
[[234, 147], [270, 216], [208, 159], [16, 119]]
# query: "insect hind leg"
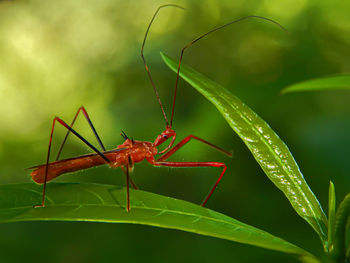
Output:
[[59, 120], [86, 115]]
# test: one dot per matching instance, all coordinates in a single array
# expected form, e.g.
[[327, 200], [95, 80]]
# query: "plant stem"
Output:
[[343, 213]]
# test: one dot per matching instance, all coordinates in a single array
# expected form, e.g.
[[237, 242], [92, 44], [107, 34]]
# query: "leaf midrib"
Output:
[[135, 207]]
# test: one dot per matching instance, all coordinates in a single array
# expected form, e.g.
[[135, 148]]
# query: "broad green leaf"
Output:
[[267, 148], [106, 203], [331, 215], [341, 219], [329, 83]]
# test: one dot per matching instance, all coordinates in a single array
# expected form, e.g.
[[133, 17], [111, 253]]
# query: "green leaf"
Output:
[[106, 203], [331, 215], [267, 148], [341, 219], [338, 82]]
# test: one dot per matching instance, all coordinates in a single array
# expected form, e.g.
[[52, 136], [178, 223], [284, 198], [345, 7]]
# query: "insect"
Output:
[[130, 151]]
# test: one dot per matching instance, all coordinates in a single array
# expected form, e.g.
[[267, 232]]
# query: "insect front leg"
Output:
[[186, 140], [195, 164]]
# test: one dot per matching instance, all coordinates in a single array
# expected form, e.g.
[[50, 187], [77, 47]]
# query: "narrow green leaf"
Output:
[[338, 82], [331, 215], [267, 148], [341, 219], [106, 203]]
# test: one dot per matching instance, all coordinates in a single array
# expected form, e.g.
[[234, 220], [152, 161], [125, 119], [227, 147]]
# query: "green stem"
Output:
[[331, 215], [343, 213]]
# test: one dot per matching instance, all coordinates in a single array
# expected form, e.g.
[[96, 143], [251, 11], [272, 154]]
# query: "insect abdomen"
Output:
[[64, 166]]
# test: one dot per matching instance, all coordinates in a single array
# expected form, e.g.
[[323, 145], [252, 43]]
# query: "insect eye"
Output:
[[165, 136]]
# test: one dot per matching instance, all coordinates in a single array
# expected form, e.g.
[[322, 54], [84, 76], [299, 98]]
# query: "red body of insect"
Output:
[[136, 151], [130, 152]]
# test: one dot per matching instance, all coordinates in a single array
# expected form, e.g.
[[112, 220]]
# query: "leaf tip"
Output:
[[163, 55], [285, 90]]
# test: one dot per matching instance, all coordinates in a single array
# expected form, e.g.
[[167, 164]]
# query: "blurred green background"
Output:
[[58, 55]]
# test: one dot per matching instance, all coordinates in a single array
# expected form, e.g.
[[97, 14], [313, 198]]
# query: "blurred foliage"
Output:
[[59, 55], [338, 82]]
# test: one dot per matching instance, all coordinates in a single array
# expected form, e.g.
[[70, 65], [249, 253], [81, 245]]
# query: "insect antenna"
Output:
[[144, 60], [202, 36]]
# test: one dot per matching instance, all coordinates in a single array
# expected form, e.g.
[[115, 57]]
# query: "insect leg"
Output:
[[127, 189], [128, 167], [83, 110], [186, 140], [49, 150], [131, 181], [195, 164]]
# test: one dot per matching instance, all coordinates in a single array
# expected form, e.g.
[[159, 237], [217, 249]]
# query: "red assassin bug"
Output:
[[131, 151]]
